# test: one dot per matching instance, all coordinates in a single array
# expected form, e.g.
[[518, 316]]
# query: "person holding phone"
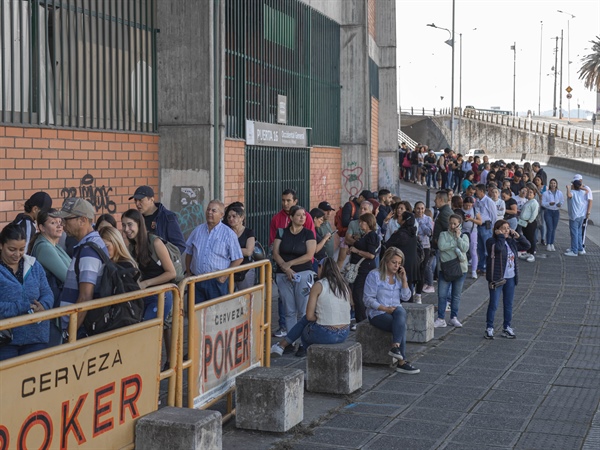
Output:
[[385, 289], [451, 244], [552, 200], [502, 274]]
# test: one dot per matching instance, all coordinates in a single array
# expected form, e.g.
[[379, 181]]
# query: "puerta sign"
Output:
[[273, 135]]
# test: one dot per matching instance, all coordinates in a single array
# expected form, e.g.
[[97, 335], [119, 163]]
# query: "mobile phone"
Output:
[[334, 231]]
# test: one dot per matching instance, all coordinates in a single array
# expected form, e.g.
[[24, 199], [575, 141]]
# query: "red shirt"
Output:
[[282, 220]]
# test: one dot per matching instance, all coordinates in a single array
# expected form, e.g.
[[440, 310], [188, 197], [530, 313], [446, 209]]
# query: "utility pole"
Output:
[[540, 77], [514, 49], [555, 74], [452, 81], [560, 115]]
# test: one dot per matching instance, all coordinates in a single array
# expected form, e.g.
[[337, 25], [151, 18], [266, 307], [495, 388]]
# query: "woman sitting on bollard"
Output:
[[385, 288], [327, 319]]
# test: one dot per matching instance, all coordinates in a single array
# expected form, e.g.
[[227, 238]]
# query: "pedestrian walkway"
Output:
[[539, 391]]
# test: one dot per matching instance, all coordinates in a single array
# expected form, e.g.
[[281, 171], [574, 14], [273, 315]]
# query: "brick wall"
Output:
[[374, 143], [371, 18], [104, 167], [326, 176], [235, 166]]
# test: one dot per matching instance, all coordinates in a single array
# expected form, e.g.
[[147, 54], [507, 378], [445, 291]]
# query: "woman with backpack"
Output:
[[55, 261], [153, 260]]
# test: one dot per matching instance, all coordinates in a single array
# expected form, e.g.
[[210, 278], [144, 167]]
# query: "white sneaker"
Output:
[[553, 248], [523, 255], [417, 298], [582, 252], [570, 253], [276, 349], [428, 289], [549, 248], [439, 323], [530, 258], [474, 274], [455, 323]]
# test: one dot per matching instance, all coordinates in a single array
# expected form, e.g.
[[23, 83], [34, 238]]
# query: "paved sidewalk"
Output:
[[539, 391]]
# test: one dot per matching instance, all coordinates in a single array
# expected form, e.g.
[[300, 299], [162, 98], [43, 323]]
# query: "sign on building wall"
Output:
[[86, 397], [273, 135], [229, 335], [281, 109]]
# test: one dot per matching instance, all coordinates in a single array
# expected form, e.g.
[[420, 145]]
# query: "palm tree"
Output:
[[590, 70]]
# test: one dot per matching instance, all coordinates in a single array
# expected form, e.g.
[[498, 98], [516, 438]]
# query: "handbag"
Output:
[[452, 270], [494, 284], [6, 337], [351, 271]]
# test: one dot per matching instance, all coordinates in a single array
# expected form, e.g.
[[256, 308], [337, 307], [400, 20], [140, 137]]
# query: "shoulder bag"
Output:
[[5, 337], [452, 270], [351, 270], [494, 284]]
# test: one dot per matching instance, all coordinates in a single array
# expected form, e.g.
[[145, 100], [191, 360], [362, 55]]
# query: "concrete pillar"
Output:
[[179, 428]]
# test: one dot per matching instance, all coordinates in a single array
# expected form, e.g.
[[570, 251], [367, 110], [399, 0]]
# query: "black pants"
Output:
[[529, 233], [358, 289]]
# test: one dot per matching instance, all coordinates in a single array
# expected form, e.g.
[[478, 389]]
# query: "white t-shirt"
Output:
[[500, 209], [509, 270]]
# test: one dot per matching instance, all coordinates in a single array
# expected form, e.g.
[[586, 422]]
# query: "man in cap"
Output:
[[77, 216], [158, 219], [579, 200], [326, 228], [27, 220], [517, 183], [350, 212]]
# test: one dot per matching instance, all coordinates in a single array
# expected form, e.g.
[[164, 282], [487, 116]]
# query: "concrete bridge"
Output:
[[507, 137]]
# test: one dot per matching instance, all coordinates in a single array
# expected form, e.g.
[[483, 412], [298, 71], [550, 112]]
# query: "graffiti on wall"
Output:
[[98, 196], [191, 211], [352, 174], [320, 185]]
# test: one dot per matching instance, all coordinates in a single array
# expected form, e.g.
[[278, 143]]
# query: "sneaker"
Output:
[[280, 333], [428, 289], [474, 275], [582, 252], [508, 333], [448, 308], [489, 333], [543, 242], [352, 324], [439, 323], [277, 349], [407, 368], [301, 352], [455, 323], [553, 248], [396, 354], [570, 253], [549, 248], [523, 255], [417, 298], [530, 258]]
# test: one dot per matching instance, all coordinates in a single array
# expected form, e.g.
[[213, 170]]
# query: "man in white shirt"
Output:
[[486, 207]]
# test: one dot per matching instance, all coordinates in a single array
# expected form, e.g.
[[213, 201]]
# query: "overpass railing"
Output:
[[425, 112]]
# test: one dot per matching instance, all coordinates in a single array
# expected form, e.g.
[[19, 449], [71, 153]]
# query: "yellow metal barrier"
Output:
[[226, 336], [89, 392]]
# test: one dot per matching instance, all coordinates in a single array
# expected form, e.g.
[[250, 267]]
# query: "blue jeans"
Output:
[[431, 179], [508, 293], [394, 323], [313, 333], [209, 289], [575, 228], [151, 306], [483, 235], [512, 223], [12, 351], [294, 295], [443, 287], [551, 217]]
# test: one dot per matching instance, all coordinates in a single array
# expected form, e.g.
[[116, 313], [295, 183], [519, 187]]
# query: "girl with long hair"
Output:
[[385, 288], [552, 200], [327, 318], [236, 216], [154, 270]]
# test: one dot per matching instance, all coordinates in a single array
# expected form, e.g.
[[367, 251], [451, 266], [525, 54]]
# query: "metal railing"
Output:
[[78, 64], [425, 112], [403, 137]]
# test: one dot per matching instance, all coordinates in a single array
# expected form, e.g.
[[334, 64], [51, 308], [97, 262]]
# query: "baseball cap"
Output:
[[518, 173], [41, 200], [577, 178], [142, 192], [366, 194], [75, 207], [325, 206]]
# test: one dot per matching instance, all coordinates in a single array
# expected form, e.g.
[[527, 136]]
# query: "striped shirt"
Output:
[[212, 250]]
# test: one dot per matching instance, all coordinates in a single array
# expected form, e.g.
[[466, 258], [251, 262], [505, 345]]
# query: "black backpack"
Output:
[[116, 279]]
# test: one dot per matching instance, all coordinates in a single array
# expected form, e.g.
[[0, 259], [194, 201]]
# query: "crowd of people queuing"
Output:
[[387, 251]]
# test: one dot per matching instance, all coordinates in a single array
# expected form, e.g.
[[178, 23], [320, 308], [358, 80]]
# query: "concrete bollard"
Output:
[[178, 428], [269, 399], [419, 322], [375, 343], [334, 368]]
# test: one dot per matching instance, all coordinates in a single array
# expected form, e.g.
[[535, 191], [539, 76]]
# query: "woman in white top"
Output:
[[327, 319], [552, 200], [385, 287]]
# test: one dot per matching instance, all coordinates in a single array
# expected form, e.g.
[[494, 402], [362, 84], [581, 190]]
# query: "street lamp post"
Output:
[[514, 49], [450, 42], [540, 78], [568, 58]]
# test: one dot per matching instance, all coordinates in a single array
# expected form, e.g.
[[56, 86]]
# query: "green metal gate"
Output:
[[269, 171]]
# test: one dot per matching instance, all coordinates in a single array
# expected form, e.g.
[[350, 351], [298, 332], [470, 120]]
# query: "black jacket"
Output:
[[405, 239], [500, 255]]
